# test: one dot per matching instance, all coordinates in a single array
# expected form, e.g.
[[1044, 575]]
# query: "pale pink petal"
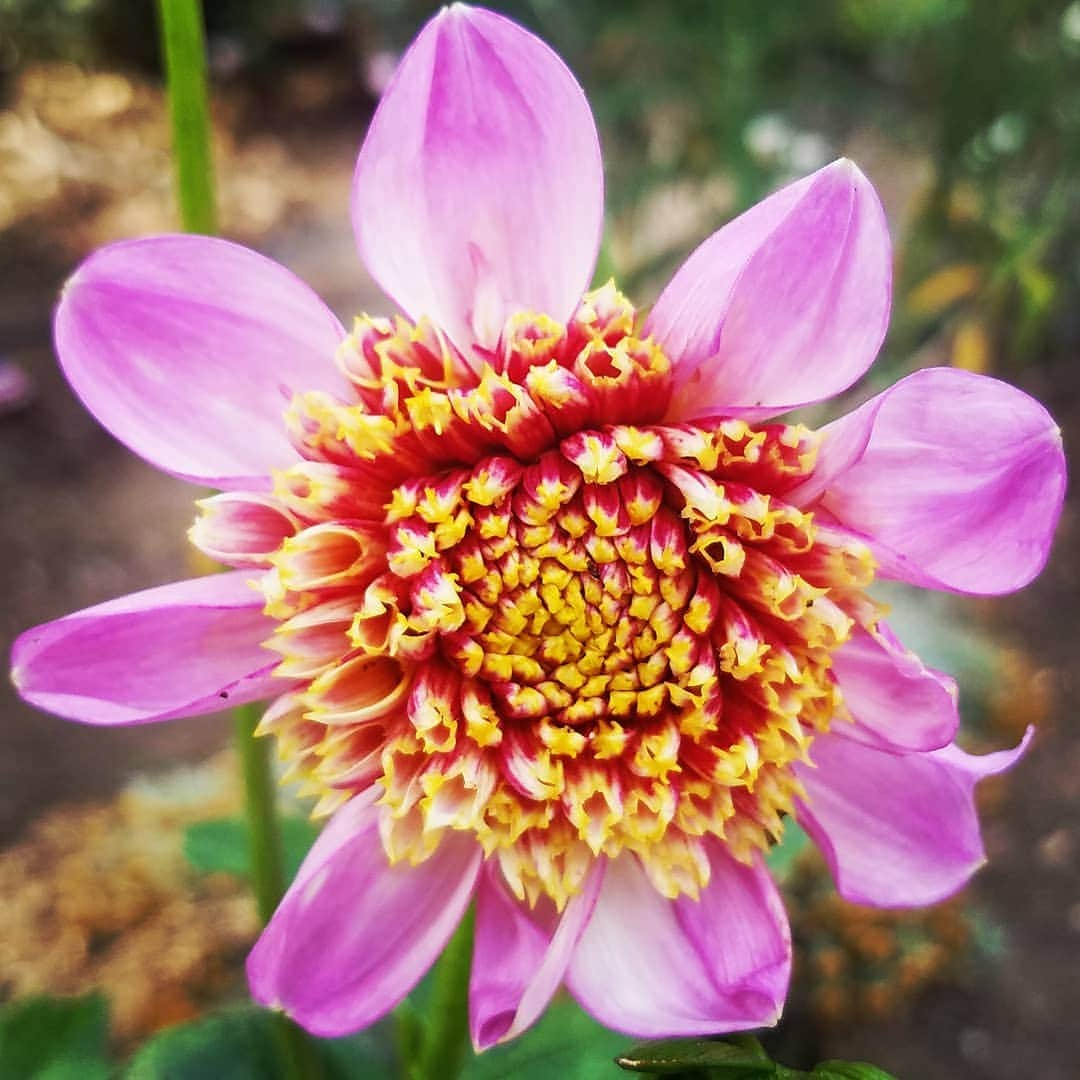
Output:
[[955, 479], [353, 934], [895, 699], [898, 830], [519, 956], [188, 349], [479, 187], [786, 305], [653, 967], [177, 650], [241, 528]]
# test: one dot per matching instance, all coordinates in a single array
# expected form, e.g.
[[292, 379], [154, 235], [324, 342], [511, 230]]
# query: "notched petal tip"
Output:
[[897, 829], [720, 963], [520, 956]]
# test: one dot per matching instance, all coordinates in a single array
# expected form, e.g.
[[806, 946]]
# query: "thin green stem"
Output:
[[184, 47], [267, 866], [299, 1057], [445, 1042], [408, 1035]]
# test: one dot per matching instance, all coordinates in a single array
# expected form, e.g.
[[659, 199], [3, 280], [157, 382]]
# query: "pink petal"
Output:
[[519, 957], [898, 830], [653, 967], [177, 650], [956, 480], [188, 349], [897, 702], [479, 187], [242, 528], [786, 305], [353, 934]]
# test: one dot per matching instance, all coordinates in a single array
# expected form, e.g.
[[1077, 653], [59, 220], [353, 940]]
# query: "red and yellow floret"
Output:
[[524, 607]]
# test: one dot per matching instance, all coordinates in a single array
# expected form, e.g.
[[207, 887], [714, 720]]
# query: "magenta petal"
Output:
[[188, 349], [479, 187], [178, 650], [353, 935], [653, 967], [519, 958], [956, 480], [897, 701], [898, 830], [786, 305]]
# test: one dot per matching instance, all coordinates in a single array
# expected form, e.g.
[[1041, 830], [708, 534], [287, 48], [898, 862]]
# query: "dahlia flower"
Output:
[[555, 617]]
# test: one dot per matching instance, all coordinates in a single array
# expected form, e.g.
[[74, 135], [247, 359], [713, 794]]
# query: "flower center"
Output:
[[525, 608]]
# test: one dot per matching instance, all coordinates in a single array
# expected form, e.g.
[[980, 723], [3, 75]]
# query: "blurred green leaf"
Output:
[[242, 1044], [221, 846], [369, 1053], [234, 1045], [988, 935], [566, 1043], [44, 1038], [782, 857], [849, 1070], [605, 269], [724, 1059]]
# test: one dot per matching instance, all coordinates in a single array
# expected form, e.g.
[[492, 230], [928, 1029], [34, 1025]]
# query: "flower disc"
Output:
[[528, 609]]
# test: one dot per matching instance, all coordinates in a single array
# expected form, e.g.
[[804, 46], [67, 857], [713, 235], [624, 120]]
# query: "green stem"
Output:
[[184, 48], [267, 867], [445, 1042], [299, 1056]]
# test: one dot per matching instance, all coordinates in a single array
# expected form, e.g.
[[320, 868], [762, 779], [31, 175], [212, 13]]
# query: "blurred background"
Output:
[[118, 854]]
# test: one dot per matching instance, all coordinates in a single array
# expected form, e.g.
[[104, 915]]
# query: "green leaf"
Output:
[[989, 936], [368, 1053], [233, 1045], [54, 1039], [243, 1044], [605, 270], [444, 1042], [782, 857], [221, 845], [849, 1070], [741, 1059], [566, 1043]]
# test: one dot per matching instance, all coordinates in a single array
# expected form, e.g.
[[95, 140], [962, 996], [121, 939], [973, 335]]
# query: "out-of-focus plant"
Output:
[[988, 95], [987, 262]]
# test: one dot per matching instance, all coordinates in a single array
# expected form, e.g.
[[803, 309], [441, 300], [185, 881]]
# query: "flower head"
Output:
[[554, 613]]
